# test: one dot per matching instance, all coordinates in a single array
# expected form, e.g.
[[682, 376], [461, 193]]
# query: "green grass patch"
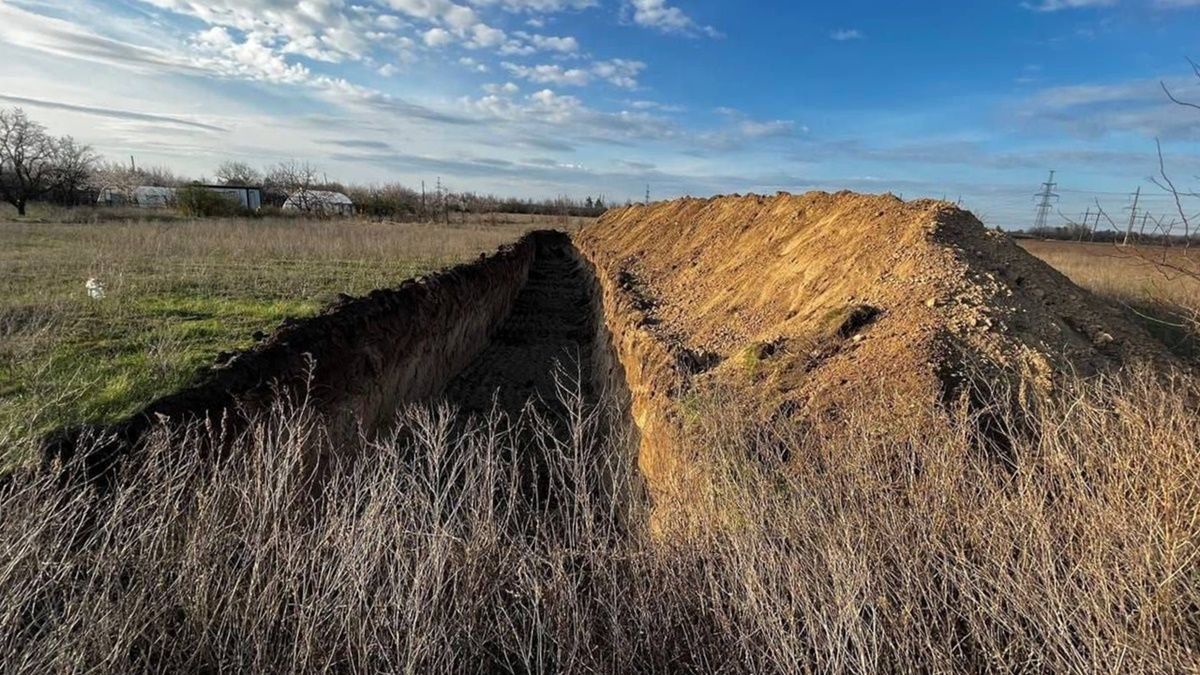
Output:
[[177, 295]]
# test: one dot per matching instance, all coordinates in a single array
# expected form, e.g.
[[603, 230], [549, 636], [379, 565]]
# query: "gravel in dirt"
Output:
[[833, 298]]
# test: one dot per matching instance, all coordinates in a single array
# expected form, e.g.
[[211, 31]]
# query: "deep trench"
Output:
[[514, 329], [545, 344]]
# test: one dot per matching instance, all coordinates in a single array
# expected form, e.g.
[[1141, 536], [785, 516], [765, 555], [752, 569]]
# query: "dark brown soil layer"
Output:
[[546, 342]]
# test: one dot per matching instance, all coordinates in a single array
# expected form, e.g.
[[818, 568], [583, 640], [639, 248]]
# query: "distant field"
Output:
[[1166, 300], [177, 293]]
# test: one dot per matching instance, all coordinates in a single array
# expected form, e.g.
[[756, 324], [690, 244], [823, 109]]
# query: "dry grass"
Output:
[[435, 551], [1160, 286]]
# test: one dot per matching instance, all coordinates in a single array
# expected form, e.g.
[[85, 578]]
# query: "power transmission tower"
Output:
[[1048, 197], [1132, 215], [647, 194]]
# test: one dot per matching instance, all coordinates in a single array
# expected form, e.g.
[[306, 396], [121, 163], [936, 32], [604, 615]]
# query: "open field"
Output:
[[1153, 282], [177, 293]]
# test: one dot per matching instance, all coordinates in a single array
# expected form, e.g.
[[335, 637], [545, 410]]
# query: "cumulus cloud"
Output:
[[437, 37], [474, 65], [659, 15], [300, 51], [549, 74], [619, 72]]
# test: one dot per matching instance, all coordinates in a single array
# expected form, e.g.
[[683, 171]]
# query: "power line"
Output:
[[1133, 214], [1048, 196]]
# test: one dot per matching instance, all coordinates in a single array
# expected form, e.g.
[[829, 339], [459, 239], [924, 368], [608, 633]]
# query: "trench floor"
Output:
[[550, 331]]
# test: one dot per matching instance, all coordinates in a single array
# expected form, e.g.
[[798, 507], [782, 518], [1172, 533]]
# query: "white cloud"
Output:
[[508, 89], [549, 74], [1098, 110], [619, 72], [549, 43], [473, 64], [661, 16], [318, 29], [844, 34], [654, 105], [1059, 5], [437, 37], [504, 117], [538, 6], [484, 36]]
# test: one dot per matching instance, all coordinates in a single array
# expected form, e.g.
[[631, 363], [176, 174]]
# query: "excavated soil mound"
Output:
[[822, 301]]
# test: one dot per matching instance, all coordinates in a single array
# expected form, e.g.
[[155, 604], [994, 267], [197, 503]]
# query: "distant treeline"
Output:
[[400, 202], [37, 166], [1073, 232]]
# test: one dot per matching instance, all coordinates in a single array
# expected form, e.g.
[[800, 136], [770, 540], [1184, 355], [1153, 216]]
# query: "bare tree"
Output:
[[298, 180], [75, 164], [237, 173], [115, 181], [1177, 266], [33, 163]]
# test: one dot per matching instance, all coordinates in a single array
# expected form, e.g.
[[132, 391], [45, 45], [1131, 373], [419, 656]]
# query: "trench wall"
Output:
[[358, 361], [637, 368]]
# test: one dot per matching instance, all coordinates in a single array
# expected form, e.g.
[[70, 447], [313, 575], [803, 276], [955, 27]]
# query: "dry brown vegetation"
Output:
[[433, 552], [1161, 285]]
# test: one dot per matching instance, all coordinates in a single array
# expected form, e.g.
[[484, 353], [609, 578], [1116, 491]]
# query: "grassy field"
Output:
[[177, 293], [1161, 287]]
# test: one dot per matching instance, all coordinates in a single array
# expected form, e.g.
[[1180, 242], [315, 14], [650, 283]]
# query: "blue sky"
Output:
[[582, 97]]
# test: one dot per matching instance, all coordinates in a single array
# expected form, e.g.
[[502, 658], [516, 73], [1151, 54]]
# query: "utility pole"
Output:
[[441, 202], [647, 194], [1132, 215], [1048, 197]]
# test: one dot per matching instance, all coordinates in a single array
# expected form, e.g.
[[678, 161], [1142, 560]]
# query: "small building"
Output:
[[246, 196], [153, 197], [325, 202], [144, 196]]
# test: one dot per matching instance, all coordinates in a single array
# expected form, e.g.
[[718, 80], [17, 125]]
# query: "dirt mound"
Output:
[[825, 300]]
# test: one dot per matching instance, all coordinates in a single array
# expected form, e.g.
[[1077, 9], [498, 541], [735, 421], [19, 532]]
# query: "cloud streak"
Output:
[[111, 113]]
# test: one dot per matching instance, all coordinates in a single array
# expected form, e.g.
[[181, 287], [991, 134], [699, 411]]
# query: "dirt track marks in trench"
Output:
[[550, 330]]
